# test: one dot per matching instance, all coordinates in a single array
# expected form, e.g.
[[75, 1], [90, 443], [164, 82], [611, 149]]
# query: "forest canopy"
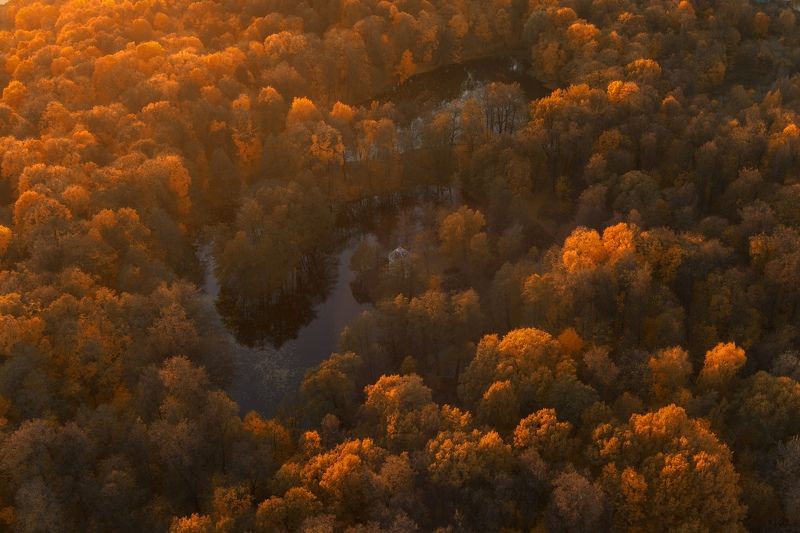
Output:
[[591, 325]]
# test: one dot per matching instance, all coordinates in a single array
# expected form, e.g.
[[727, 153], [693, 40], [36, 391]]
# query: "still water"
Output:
[[264, 374]]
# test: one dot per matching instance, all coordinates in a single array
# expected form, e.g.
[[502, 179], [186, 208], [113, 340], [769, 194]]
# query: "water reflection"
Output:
[[277, 320], [276, 344]]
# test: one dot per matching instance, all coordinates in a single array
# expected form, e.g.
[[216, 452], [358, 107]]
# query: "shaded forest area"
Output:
[[597, 331]]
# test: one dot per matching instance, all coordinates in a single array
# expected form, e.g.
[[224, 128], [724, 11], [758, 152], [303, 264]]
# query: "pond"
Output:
[[275, 346]]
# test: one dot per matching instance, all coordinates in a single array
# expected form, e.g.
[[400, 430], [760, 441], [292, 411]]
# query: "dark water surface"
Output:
[[264, 374]]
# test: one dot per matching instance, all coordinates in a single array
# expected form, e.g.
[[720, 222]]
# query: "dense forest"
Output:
[[593, 323]]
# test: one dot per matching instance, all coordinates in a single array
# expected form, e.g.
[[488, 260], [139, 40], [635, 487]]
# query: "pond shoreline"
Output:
[[268, 369]]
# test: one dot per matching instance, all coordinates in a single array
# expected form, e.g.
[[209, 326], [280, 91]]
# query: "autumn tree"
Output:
[[671, 451]]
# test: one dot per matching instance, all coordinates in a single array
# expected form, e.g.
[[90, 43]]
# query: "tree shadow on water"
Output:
[[277, 319]]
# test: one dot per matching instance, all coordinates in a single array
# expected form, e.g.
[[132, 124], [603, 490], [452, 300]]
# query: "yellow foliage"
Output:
[[583, 249], [580, 33], [722, 362], [791, 131], [35, 15], [670, 370], [5, 239], [149, 50], [564, 16], [14, 94], [619, 241], [195, 523], [643, 69], [302, 110], [524, 343], [621, 91], [570, 341], [342, 112]]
